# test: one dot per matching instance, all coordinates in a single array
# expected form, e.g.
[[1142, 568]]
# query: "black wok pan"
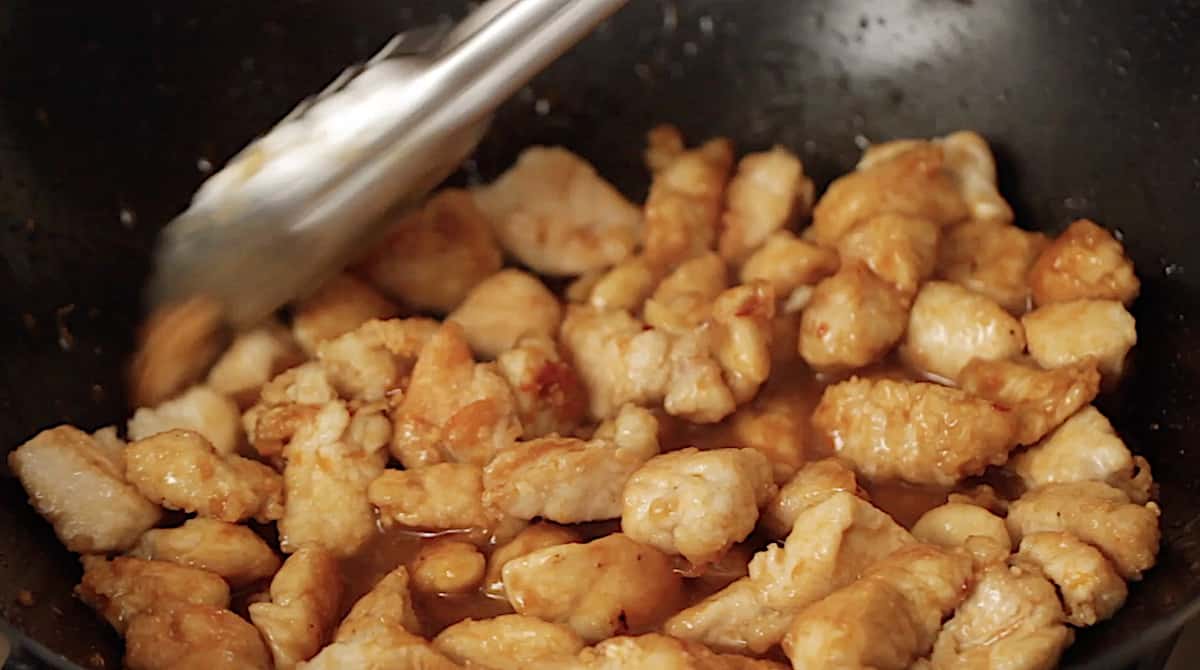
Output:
[[109, 112]]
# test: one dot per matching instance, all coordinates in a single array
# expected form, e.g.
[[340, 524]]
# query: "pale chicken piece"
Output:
[[330, 462], [853, 319], [285, 403], [1084, 448], [1042, 399], [969, 160], [433, 256], [657, 651], [447, 565], [380, 648], [1064, 333], [887, 619], [78, 488], [830, 545], [375, 358], [768, 191], [254, 358], [788, 263], [1084, 262], [1090, 587], [569, 480], [446, 496], [556, 215], [741, 337], [507, 642], [199, 409], [914, 182], [608, 586], [664, 143], [919, 432], [813, 484], [901, 250], [181, 470], [194, 637], [684, 298], [301, 615], [626, 286], [306, 384], [1096, 513], [683, 208], [776, 423], [949, 325], [952, 524], [1010, 619], [617, 358], [697, 389], [505, 307], [537, 536], [123, 588], [387, 605], [550, 396], [341, 305], [110, 445], [234, 552], [454, 409], [697, 503], [992, 259]]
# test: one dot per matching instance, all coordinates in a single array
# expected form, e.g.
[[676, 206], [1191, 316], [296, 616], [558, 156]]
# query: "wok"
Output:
[[111, 112]]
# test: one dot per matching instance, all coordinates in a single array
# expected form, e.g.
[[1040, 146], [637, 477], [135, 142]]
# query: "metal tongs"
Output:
[[297, 204]]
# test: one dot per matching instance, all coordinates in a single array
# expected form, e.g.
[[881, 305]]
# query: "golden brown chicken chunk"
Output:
[[505, 307], [915, 431], [253, 359], [446, 496], [618, 359], [569, 480], [432, 257], [76, 486], [853, 319], [300, 617], [180, 470], [381, 648], [683, 299], [341, 305], [446, 565], [507, 642], [653, 651], [234, 552], [954, 523], [599, 589], [697, 503], [1064, 333], [992, 259], [811, 485], [454, 409], [887, 619], [123, 588], [901, 250], [556, 215], [550, 396], [1084, 262], [288, 401], [1100, 515], [1090, 587], [387, 605], [194, 637], [376, 358], [1042, 399], [970, 162], [199, 409], [776, 423], [950, 325], [537, 536], [625, 286], [768, 192], [788, 263], [683, 208]]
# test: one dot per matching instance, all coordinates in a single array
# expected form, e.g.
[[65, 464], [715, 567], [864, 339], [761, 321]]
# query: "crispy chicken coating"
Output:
[[234, 552], [950, 325], [507, 642], [253, 359], [341, 305], [446, 496], [537, 536], [952, 524], [768, 192], [387, 605], [505, 307], [199, 409], [683, 208], [788, 263], [1042, 399], [1090, 587], [1064, 333], [853, 319], [376, 358], [991, 259], [447, 565], [300, 617], [1084, 262], [194, 637], [550, 396], [811, 485], [684, 298], [653, 650], [124, 588], [901, 250]]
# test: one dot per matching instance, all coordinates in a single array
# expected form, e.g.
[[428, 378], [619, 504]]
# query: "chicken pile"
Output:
[[519, 436]]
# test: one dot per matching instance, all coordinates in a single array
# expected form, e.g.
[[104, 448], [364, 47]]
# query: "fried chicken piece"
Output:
[[447, 565], [433, 256], [341, 305], [950, 325], [775, 423], [1084, 262], [812, 485], [124, 588], [830, 545], [887, 619], [683, 208], [1084, 448], [194, 637], [954, 523], [684, 298], [1042, 399], [446, 496], [970, 162], [253, 359], [199, 409], [455, 409], [556, 215], [1090, 587], [234, 552], [288, 401], [653, 650], [991, 259], [853, 319], [768, 192], [300, 617], [915, 431], [550, 396], [387, 605], [788, 263], [901, 250], [624, 286], [175, 347], [1096, 513], [504, 308], [181, 470], [1064, 333], [376, 358], [507, 642], [537, 536], [599, 589], [664, 143], [381, 648], [569, 480], [78, 488], [618, 359]]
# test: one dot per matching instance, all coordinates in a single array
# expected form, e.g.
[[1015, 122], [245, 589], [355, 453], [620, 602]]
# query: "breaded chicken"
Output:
[[550, 396], [1090, 588], [991, 259], [625, 285], [341, 305], [194, 637], [683, 208], [387, 605], [776, 423], [768, 191], [380, 648], [446, 496], [537, 536], [300, 617], [683, 299], [952, 524], [199, 409], [853, 319], [1064, 333], [1084, 262], [788, 263], [1042, 399], [618, 359], [376, 358], [507, 642], [124, 588], [447, 565], [234, 552], [653, 650], [253, 358], [811, 485], [950, 325], [901, 250], [504, 308]]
